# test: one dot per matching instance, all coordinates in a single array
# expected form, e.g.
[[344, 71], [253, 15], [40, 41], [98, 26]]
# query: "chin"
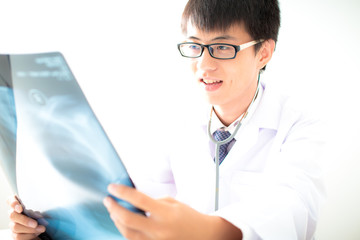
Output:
[[211, 100]]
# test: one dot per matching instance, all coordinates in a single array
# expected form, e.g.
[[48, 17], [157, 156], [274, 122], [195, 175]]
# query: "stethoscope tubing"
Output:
[[219, 143], [217, 153]]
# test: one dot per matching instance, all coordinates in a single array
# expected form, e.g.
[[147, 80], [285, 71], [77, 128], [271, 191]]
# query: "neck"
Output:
[[228, 113]]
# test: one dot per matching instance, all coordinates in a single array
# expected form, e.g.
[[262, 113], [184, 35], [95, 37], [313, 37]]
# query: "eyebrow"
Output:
[[222, 37]]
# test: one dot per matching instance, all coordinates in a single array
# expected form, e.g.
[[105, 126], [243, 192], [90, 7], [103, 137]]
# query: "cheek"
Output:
[[193, 66], [240, 73], [233, 73]]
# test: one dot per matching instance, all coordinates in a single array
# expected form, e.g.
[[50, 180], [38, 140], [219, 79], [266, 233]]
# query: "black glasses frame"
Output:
[[237, 48]]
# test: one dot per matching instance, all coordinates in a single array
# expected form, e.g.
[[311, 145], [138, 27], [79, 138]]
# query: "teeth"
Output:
[[209, 81]]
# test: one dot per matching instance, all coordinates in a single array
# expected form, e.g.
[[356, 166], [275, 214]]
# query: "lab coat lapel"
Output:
[[246, 138], [266, 116]]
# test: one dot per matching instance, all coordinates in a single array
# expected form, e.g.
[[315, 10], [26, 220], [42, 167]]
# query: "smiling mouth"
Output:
[[211, 85], [210, 81]]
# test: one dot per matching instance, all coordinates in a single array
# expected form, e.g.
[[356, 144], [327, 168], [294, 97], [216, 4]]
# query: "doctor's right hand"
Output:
[[22, 227]]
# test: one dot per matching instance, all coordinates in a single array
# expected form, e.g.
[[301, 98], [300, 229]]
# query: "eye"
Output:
[[194, 47], [223, 47]]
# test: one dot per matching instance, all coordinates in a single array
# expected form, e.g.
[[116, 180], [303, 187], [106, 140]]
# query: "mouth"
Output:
[[211, 84], [210, 81]]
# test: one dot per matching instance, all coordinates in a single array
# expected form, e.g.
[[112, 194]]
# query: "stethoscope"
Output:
[[231, 137]]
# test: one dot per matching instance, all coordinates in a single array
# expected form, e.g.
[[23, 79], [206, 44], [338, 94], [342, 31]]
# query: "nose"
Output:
[[206, 62]]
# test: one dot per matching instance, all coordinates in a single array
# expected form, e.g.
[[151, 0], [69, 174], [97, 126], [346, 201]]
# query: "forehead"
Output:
[[235, 32]]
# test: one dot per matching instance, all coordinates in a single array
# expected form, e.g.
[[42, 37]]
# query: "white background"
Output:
[[316, 59]]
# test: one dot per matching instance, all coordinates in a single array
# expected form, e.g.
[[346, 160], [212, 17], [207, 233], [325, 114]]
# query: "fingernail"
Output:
[[111, 187], [106, 202], [32, 224], [40, 229], [115, 188], [18, 208]]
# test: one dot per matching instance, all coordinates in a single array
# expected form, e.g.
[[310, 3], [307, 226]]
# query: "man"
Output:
[[269, 185]]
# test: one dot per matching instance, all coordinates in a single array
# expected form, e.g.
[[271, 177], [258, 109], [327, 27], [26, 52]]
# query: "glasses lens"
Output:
[[190, 49], [223, 51]]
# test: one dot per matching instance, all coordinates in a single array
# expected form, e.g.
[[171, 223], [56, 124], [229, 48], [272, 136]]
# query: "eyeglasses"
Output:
[[216, 50]]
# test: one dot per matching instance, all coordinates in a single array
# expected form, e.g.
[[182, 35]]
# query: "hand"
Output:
[[166, 218], [22, 227]]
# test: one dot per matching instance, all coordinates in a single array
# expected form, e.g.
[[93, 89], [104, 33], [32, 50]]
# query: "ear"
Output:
[[265, 53]]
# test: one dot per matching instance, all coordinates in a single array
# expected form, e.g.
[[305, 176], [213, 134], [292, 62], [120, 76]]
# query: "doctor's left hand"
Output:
[[167, 218]]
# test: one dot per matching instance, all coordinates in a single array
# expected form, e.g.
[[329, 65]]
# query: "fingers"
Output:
[[22, 236], [15, 204], [131, 225], [18, 228], [134, 197], [22, 227], [22, 232], [123, 216], [22, 219], [131, 233]]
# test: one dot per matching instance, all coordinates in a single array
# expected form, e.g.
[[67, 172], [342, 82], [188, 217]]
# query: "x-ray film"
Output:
[[54, 152]]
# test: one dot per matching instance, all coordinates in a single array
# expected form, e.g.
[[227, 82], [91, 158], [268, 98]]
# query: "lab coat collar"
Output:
[[217, 124], [264, 116], [267, 113]]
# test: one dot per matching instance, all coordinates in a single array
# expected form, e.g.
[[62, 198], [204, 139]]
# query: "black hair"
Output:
[[261, 18]]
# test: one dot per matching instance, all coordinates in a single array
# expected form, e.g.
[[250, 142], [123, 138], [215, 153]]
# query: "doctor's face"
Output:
[[229, 83]]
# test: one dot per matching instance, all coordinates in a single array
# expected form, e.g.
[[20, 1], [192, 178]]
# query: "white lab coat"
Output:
[[270, 182]]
